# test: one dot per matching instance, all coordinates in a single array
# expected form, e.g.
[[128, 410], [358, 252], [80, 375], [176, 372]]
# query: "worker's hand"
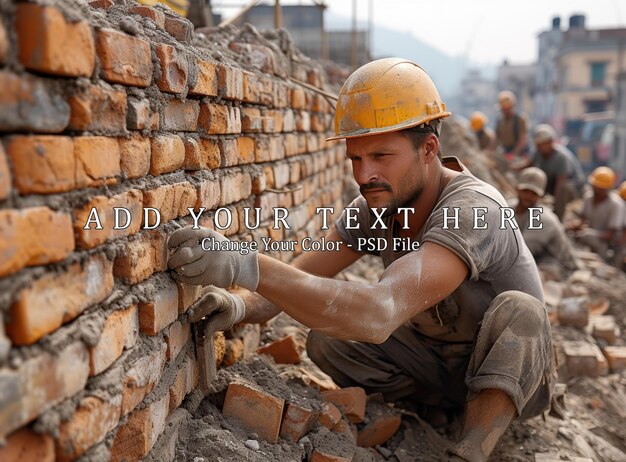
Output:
[[223, 309], [222, 268]]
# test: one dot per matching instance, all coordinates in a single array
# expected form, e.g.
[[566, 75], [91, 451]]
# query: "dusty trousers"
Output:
[[511, 351]]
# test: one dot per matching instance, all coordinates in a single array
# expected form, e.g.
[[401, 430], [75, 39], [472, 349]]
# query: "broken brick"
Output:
[[350, 401], [284, 351], [616, 355], [297, 422]]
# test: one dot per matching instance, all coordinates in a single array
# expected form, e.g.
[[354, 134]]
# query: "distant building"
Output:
[[478, 93], [520, 79], [547, 76]]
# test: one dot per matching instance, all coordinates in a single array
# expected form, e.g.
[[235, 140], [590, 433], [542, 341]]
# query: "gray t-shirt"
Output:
[[606, 215], [497, 260], [561, 162]]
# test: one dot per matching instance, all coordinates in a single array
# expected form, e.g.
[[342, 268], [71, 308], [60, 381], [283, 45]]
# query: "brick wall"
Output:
[[110, 106]]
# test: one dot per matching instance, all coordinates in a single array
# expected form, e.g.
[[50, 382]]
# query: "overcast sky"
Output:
[[487, 31]]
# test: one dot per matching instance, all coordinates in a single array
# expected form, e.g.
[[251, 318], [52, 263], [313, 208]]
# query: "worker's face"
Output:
[[600, 193], [527, 198], [506, 109], [545, 148], [388, 170]]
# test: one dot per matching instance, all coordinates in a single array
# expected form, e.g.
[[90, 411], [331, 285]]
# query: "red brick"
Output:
[[206, 81], [141, 257], [158, 17], [329, 416], [173, 66], [230, 82], [160, 312], [138, 114], [187, 296], [27, 446], [48, 43], [217, 119], [88, 426], [258, 412], [135, 155], [136, 437], [201, 154], [40, 383], [4, 43], [321, 455], [141, 378], [284, 351], [97, 160], [54, 157], [168, 154], [584, 359], [350, 401], [208, 194], [124, 59], [180, 116], [347, 428], [616, 355], [298, 421], [246, 150], [98, 108], [57, 298], [5, 176], [379, 430], [235, 187], [120, 332], [179, 28], [177, 336], [104, 206], [102, 4], [22, 242], [172, 200], [28, 103]]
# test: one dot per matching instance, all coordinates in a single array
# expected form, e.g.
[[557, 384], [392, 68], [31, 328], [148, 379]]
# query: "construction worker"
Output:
[[457, 320], [601, 215], [544, 236], [620, 253], [511, 128], [564, 172], [485, 136]]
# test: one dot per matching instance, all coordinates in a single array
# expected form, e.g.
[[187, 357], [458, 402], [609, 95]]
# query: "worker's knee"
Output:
[[522, 313], [317, 347]]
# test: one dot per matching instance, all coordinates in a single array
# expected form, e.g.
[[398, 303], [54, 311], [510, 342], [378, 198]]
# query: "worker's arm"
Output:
[[364, 312]]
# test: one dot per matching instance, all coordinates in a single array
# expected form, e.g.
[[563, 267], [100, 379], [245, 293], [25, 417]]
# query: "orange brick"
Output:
[[102, 4], [27, 446], [134, 155], [105, 208], [186, 380], [251, 120], [138, 116], [161, 311], [201, 154], [172, 200], [246, 150], [4, 43], [605, 328], [57, 298], [229, 154], [206, 81], [177, 336], [173, 69], [48, 43], [5, 176], [298, 100], [329, 416], [141, 257], [258, 411], [119, 333], [230, 82], [97, 160], [235, 187], [88, 426], [136, 437], [158, 17], [298, 421], [379, 430], [256, 89], [41, 382], [98, 108], [616, 355], [284, 351], [168, 154], [22, 242], [350, 401], [142, 377], [218, 119], [187, 296], [180, 116], [124, 59], [54, 158], [208, 194], [273, 121]]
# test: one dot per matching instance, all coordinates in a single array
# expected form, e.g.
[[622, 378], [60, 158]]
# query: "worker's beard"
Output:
[[395, 203]]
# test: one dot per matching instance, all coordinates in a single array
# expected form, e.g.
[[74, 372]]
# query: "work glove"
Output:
[[221, 308], [220, 268]]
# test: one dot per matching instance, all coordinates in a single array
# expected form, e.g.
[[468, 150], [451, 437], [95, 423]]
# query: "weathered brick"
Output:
[[88, 426], [27, 446], [251, 120], [187, 296], [289, 121], [98, 108], [138, 115], [119, 333], [102, 4], [258, 411], [298, 421], [141, 257], [180, 116], [273, 121], [230, 82], [605, 328], [183, 383], [142, 377], [229, 154], [218, 119], [257, 89], [48, 43], [246, 150], [41, 382], [235, 187], [281, 95], [157, 16], [137, 436], [298, 100], [4, 43], [303, 121], [172, 200], [124, 59], [167, 154], [57, 298], [616, 356], [573, 312], [105, 208], [201, 154], [284, 351], [584, 359], [262, 57], [161, 311], [177, 336], [332, 447], [350, 400], [28, 103], [206, 81], [135, 155], [208, 194], [379, 430], [179, 28], [5, 175], [173, 78], [97, 160]]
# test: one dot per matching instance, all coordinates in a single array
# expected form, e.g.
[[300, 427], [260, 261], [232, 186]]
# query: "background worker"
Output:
[[485, 136], [458, 322], [511, 128]]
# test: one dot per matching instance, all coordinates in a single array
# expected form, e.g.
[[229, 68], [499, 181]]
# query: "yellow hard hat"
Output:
[[622, 190], [386, 95], [602, 177], [478, 120], [506, 99]]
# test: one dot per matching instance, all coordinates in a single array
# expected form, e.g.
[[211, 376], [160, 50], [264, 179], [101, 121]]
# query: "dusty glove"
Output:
[[220, 268], [222, 309]]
